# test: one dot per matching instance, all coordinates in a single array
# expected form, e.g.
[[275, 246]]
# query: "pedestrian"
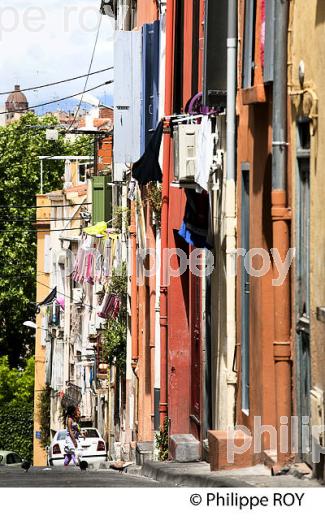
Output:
[[72, 444]]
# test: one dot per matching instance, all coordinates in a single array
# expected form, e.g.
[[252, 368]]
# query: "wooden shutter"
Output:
[[127, 91], [150, 82], [102, 199], [58, 365]]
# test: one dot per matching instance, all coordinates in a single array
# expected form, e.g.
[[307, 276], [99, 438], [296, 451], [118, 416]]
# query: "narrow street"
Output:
[[72, 477]]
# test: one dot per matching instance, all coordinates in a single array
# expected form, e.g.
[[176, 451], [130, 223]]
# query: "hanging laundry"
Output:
[[195, 226], [110, 307], [60, 301], [204, 156], [98, 230], [90, 268], [131, 189], [50, 298], [147, 168]]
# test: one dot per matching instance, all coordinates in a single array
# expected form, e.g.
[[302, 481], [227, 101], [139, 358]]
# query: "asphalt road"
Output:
[[71, 477]]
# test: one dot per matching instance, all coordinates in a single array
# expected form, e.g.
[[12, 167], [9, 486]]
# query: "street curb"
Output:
[[161, 472]]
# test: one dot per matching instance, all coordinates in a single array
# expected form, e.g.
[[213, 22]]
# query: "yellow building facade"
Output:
[[42, 290], [306, 82]]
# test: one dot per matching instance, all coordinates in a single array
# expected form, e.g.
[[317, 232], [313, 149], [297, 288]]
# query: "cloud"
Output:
[[49, 40]]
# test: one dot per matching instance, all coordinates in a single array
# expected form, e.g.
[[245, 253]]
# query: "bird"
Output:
[[83, 465], [120, 465], [26, 465]]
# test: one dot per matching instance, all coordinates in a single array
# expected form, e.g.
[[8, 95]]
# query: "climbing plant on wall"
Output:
[[114, 336]]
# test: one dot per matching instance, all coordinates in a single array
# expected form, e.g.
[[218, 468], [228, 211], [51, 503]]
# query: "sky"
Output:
[[43, 41]]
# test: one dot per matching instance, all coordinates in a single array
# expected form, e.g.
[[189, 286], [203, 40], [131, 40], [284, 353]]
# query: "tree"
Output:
[[20, 146], [16, 385]]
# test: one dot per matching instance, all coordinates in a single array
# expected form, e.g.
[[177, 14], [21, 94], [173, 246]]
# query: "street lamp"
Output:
[[30, 324]]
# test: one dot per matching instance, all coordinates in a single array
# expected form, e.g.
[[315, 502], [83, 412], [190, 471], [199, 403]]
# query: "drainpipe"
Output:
[[134, 295], [157, 334], [163, 407], [162, 75], [231, 204], [280, 224]]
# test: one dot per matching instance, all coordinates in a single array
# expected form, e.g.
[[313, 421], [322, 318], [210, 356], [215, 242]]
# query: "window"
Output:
[[178, 57], [249, 44], [150, 81], [84, 172], [215, 53], [245, 288], [91, 433], [303, 238], [13, 458], [195, 46]]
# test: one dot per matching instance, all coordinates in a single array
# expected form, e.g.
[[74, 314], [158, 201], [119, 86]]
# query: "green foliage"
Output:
[[44, 413], [20, 147], [115, 333], [121, 218], [16, 428], [154, 196], [162, 441], [16, 385]]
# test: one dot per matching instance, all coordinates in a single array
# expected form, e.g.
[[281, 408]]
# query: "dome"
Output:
[[16, 100]]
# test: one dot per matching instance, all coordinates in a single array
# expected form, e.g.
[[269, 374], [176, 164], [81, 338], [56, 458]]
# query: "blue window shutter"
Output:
[[127, 89], [249, 44], [150, 81], [269, 41]]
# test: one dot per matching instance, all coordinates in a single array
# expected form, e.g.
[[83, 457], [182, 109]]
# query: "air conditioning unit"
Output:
[[77, 295], [317, 409], [185, 147]]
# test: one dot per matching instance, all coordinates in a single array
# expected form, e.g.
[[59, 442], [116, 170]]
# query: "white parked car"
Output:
[[93, 447], [10, 458]]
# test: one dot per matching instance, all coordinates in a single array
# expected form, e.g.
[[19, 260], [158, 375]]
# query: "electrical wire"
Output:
[[29, 221], [37, 230], [41, 207], [57, 82], [61, 99], [63, 294], [89, 72]]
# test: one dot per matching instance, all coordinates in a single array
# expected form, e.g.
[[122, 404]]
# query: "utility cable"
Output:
[[57, 82], [89, 72], [58, 100], [29, 221], [63, 294], [37, 230], [41, 207]]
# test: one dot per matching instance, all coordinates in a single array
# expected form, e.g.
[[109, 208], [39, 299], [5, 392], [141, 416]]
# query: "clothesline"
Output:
[[186, 117]]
